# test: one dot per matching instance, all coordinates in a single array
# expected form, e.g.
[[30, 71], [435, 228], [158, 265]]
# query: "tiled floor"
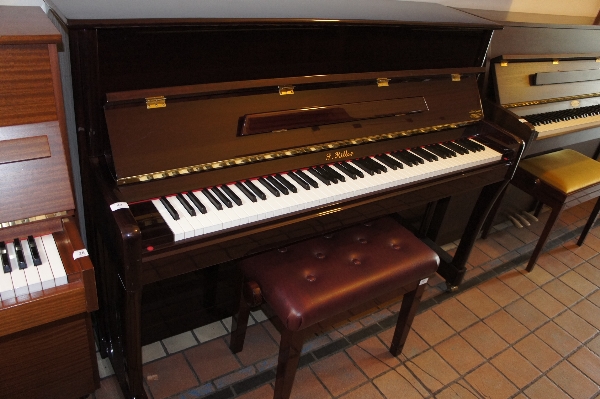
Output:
[[505, 334]]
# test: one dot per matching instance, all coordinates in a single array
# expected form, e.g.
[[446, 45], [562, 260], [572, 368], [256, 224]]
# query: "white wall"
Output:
[[588, 8]]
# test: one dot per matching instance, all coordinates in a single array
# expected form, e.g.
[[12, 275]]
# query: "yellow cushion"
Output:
[[566, 170]]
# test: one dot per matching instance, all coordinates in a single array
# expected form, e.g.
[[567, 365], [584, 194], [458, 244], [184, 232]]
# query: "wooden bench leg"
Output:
[[239, 324], [290, 349], [544, 236], [590, 223], [408, 310]]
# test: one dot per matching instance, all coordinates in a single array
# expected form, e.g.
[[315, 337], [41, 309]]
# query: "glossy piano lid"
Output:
[[91, 12]]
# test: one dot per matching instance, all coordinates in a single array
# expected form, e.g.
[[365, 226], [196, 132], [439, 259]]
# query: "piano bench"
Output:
[[554, 179], [308, 282]]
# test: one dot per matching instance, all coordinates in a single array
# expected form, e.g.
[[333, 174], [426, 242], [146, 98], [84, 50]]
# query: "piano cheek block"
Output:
[[24, 149]]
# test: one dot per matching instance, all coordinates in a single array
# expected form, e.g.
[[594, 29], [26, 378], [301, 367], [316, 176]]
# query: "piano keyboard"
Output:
[[208, 210], [29, 265], [556, 122]]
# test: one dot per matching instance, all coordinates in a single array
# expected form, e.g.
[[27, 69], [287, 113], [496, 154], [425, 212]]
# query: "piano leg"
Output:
[[133, 339]]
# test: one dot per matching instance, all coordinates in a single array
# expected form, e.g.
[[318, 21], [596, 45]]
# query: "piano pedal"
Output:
[[515, 222], [529, 216], [521, 219]]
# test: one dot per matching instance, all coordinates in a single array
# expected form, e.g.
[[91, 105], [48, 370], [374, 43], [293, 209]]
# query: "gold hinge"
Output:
[[285, 90], [555, 62], [455, 77], [503, 63], [156, 102], [383, 82], [598, 59]]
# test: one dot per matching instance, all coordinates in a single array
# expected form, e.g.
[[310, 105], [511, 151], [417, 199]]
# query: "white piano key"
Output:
[[58, 270], [7, 290], [18, 275], [31, 273], [191, 227], [209, 220], [549, 129], [44, 270], [176, 229]]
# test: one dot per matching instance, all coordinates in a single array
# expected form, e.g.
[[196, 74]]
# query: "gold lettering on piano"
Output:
[[291, 152], [330, 156]]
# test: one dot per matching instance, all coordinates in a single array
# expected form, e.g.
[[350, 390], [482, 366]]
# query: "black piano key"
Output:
[[20, 255], [255, 190], [269, 187], [4, 258], [351, 168], [334, 173], [231, 194], [320, 177], [170, 208], [199, 205], [212, 199], [246, 192], [299, 180], [456, 147], [387, 161], [186, 205], [437, 151], [278, 185], [407, 158], [222, 197], [332, 178], [471, 145], [307, 179], [281, 179], [33, 249], [375, 165], [345, 171], [426, 155], [363, 167]]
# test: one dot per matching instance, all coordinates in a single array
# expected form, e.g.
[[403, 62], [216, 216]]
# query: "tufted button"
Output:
[[356, 261], [328, 235], [311, 278], [396, 246], [368, 224], [282, 250], [320, 255], [362, 240]]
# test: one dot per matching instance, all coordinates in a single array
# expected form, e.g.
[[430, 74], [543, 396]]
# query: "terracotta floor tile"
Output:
[[538, 352], [368, 363], [593, 241], [412, 347], [258, 345], [525, 235], [455, 314], [589, 272], [392, 382], [490, 383], [589, 312], [588, 363], [572, 381], [431, 327], [539, 276], [557, 338], [338, 373], [545, 303], [109, 389], [518, 282], [545, 389], [499, 292], [584, 251], [506, 326], [307, 386], [595, 298], [551, 264], [222, 360], [567, 257], [266, 391], [594, 345], [578, 283], [507, 239], [462, 356], [484, 339], [458, 390], [433, 371], [478, 257], [576, 326], [515, 367], [478, 302], [168, 376], [491, 248], [562, 292], [367, 391], [527, 314]]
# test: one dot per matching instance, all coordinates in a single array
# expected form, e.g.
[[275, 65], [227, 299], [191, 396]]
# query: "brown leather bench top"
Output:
[[310, 281]]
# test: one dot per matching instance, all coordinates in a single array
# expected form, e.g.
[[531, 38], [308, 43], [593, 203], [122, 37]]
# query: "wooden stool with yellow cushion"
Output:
[[553, 179]]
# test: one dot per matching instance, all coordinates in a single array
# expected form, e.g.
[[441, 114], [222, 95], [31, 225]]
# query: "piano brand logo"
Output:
[[338, 154]]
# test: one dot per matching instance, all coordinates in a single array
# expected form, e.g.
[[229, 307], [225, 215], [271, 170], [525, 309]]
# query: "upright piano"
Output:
[[47, 282], [217, 129]]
